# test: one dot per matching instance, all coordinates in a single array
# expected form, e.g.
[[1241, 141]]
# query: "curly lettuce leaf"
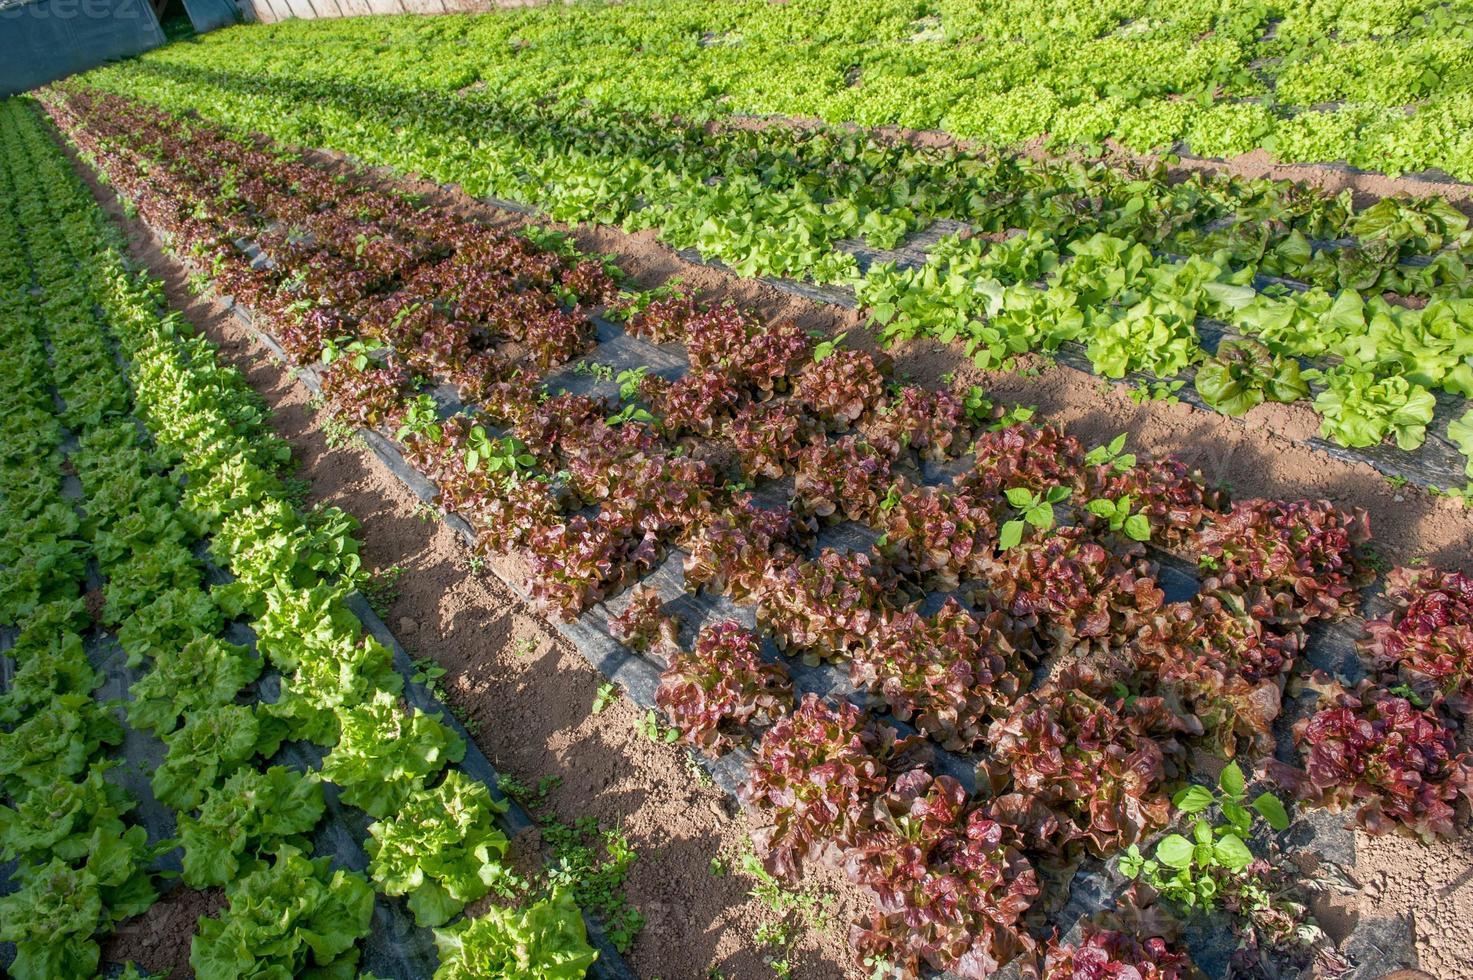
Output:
[[443, 849], [245, 817], [293, 916], [547, 941], [385, 754], [206, 672], [211, 744]]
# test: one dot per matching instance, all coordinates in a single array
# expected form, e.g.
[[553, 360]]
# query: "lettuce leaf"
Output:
[[547, 941], [213, 743], [442, 849], [59, 820], [245, 817], [292, 917], [385, 754], [205, 673], [55, 744]]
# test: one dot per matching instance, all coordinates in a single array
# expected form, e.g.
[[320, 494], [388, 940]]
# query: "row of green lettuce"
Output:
[[1128, 264], [1376, 365], [209, 470], [1385, 87], [81, 864]]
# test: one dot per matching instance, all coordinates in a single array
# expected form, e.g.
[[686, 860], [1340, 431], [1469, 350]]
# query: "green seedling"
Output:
[[825, 349], [1117, 514], [1112, 455], [607, 694], [506, 455], [1194, 870], [1037, 510]]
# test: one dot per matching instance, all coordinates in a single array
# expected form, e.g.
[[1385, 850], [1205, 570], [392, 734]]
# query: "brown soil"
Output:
[[1365, 187], [1434, 885], [531, 693], [94, 600], [158, 940]]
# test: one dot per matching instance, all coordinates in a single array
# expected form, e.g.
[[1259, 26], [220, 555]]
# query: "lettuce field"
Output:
[[688, 490]]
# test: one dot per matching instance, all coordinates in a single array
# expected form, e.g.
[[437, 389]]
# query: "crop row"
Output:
[[1123, 262], [83, 864], [1166, 675], [1379, 87], [208, 472]]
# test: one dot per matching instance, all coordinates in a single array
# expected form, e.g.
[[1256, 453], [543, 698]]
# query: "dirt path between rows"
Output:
[[529, 694]]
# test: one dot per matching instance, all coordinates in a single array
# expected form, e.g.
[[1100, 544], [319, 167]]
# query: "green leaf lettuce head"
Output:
[[1358, 410], [172, 619], [58, 667], [546, 941], [293, 917], [1244, 374], [59, 820], [1142, 341], [56, 743], [344, 670], [211, 744], [384, 754], [206, 672], [51, 920], [45, 571], [442, 849], [58, 909], [249, 815]]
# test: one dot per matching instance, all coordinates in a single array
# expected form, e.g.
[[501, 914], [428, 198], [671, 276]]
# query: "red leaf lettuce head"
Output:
[[698, 403], [1073, 592], [950, 885], [845, 478], [951, 673], [1104, 954], [644, 624], [843, 386], [364, 397], [933, 423], [937, 536], [769, 436], [715, 691], [827, 607], [1176, 500], [1294, 560], [1398, 764], [1427, 638], [1024, 456], [737, 549], [1100, 763], [815, 777], [1210, 657]]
